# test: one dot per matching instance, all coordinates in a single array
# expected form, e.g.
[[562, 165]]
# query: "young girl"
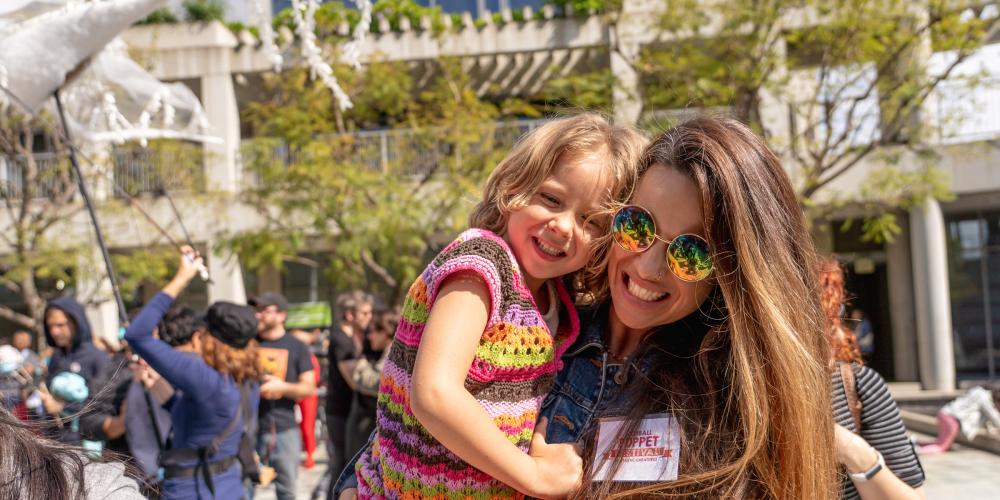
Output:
[[485, 324]]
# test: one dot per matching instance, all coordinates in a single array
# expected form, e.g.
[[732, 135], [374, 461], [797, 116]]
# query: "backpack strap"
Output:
[[169, 458], [851, 391]]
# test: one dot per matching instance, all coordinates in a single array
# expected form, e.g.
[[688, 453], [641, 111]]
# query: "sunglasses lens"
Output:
[[633, 229], [689, 258]]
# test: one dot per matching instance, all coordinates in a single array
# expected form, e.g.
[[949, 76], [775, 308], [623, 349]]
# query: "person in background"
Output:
[[973, 412], [309, 405], [366, 376], [216, 390], [864, 333], [288, 376], [22, 342], [876, 456], [68, 332], [346, 339], [104, 422]]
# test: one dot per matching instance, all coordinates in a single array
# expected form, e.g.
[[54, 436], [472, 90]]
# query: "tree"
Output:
[[37, 192], [856, 73], [318, 187]]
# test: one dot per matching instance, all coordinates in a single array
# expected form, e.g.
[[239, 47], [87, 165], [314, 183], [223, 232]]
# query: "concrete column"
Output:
[[624, 36], [902, 311], [94, 288], [219, 99], [931, 294], [98, 169], [227, 277]]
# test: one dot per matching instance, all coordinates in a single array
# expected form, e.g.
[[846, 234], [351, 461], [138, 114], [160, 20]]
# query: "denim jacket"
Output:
[[591, 385]]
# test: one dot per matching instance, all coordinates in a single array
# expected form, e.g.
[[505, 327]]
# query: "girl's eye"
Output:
[[549, 199]]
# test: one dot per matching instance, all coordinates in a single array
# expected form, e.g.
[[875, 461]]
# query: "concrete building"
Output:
[[933, 294]]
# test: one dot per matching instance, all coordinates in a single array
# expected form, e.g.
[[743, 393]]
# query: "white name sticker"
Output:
[[652, 453]]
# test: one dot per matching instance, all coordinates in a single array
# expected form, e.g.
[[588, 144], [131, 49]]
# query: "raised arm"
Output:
[[183, 371]]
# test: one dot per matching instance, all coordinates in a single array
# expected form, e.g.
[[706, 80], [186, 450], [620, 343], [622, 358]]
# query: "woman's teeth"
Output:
[[555, 252], [644, 294]]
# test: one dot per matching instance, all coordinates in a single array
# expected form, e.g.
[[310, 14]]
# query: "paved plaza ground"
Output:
[[961, 474]]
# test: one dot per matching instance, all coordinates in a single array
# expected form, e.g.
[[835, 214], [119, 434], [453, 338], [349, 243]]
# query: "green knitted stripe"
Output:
[[415, 312], [499, 355], [441, 489]]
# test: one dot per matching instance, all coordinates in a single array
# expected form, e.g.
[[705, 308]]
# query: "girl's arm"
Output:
[[454, 417]]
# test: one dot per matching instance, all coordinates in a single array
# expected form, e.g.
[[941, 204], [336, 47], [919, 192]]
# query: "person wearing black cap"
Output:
[[288, 376], [215, 380]]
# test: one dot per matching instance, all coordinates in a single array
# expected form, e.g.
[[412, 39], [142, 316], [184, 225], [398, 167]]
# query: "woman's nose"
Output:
[[652, 265]]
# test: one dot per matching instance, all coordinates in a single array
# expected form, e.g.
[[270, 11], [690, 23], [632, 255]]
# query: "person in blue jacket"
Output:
[[215, 378], [68, 332]]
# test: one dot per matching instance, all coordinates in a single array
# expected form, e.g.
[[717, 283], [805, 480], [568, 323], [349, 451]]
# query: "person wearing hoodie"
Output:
[[67, 331]]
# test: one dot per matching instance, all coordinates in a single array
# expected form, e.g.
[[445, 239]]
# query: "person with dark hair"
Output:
[[178, 325], [366, 376], [34, 468], [217, 391], [67, 331], [22, 341], [288, 376], [870, 435], [346, 341]]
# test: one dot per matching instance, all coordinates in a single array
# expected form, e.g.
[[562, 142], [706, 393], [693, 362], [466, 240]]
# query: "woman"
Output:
[[713, 318], [216, 378], [870, 436]]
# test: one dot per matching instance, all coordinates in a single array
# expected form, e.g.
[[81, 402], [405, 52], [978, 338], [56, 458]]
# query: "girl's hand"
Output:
[[558, 467], [349, 494]]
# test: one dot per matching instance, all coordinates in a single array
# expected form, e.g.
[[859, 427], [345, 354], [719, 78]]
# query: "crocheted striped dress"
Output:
[[513, 370]]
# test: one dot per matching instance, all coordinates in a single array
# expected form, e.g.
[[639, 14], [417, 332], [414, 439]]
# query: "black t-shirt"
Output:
[[338, 393], [286, 358]]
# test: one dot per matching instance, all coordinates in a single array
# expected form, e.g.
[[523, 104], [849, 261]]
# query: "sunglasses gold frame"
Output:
[[666, 242]]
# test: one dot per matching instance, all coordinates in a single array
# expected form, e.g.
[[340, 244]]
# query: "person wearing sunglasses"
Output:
[[709, 315]]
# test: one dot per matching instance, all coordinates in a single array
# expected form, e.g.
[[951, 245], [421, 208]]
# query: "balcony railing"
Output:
[[177, 167], [412, 152]]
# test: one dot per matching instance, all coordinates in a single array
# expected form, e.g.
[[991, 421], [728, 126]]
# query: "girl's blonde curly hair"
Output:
[[534, 159]]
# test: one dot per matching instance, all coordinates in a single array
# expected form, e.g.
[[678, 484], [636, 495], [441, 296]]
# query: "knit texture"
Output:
[[513, 370]]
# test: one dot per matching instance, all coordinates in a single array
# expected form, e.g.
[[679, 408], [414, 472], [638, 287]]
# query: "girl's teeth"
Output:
[[644, 294], [555, 252]]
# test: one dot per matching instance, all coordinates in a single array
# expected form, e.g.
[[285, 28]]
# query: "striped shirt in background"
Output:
[[881, 427]]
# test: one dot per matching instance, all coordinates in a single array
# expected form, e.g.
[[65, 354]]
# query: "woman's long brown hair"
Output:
[[753, 402]]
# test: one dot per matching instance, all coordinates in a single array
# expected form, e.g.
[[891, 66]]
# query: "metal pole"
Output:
[[93, 215]]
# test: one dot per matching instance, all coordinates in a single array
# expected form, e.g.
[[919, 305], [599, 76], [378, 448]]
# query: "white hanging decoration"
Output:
[[352, 49], [267, 36], [303, 14]]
